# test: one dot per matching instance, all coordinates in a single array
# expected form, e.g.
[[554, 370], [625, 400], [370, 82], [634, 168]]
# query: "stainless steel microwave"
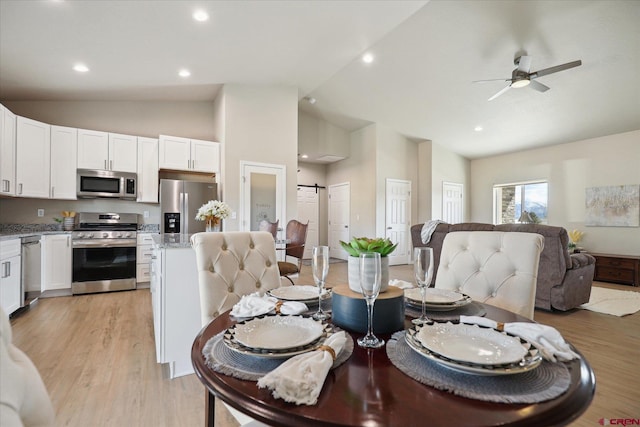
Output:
[[101, 183]]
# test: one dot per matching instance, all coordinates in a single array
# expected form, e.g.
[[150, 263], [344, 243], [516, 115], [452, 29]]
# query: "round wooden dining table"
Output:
[[368, 390]]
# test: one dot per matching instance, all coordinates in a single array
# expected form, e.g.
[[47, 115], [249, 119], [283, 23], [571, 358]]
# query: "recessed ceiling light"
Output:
[[478, 128], [311, 100], [184, 73], [304, 156], [367, 58], [200, 16], [81, 68]]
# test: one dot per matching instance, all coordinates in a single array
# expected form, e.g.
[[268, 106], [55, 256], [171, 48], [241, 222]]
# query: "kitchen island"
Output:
[[176, 301]]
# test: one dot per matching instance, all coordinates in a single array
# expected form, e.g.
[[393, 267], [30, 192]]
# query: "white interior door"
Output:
[[398, 219], [452, 209], [339, 213], [309, 210], [263, 194]]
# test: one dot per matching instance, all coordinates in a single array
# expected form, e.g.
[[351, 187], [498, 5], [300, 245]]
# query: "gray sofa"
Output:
[[564, 280]]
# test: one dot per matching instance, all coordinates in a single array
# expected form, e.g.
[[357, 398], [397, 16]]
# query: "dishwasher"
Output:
[[31, 285]]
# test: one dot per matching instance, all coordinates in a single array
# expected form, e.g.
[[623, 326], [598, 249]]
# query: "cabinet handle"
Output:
[[19, 188], [53, 192], [6, 269], [105, 164], [110, 165], [6, 185], [68, 241]]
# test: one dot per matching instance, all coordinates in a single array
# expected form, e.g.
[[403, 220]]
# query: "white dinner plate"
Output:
[[433, 296], [278, 332], [414, 299], [297, 293], [532, 359], [470, 343]]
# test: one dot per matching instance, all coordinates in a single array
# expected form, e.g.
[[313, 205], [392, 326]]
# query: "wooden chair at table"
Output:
[[230, 265], [271, 227], [296, 240], [493, 267]]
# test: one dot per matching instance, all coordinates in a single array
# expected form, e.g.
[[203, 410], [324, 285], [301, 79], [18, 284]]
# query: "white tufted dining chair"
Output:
[[233, 264], [230, 265], [497, 268], [23, 396]]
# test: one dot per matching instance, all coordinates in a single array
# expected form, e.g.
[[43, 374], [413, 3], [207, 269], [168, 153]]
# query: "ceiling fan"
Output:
[[522, 76]]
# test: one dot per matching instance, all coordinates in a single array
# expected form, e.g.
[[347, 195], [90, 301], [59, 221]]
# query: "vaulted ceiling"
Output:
[[425, 57]]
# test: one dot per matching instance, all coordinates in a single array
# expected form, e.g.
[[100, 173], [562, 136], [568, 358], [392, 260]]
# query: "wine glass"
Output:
[[370, 273], [320, 268], [423, 270]]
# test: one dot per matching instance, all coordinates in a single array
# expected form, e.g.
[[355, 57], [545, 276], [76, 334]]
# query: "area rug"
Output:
[[614, 302]]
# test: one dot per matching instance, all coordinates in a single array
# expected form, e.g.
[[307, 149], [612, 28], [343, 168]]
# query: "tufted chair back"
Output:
[[23, 397], [498, 268], [233, 264]]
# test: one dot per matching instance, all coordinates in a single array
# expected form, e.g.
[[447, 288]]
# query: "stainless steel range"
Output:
[[104, 252]]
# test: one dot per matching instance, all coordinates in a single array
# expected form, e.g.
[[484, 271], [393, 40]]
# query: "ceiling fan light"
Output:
[[520, 83]]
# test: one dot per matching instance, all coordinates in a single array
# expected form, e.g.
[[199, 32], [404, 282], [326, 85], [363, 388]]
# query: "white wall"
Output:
[[261, 125], [569, 169], [360, 171], [396, 159], [447, 166]]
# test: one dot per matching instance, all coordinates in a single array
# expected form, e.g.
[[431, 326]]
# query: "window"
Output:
[[520, 203]]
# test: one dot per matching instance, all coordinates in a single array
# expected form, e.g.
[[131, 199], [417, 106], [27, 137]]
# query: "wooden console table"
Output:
[[623, 269]]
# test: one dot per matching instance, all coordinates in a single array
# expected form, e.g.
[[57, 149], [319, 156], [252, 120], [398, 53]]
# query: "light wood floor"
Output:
[[96, 355]]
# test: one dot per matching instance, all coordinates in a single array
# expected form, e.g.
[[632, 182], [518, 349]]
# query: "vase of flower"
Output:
[[213, 212], [212, 224]]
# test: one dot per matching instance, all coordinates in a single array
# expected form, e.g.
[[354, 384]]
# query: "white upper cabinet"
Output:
[[107, 151], [93, 149], [7, 152], [205, 156], [123, 153], [189, 154], [147, 170], [33, 145], [64, 155]]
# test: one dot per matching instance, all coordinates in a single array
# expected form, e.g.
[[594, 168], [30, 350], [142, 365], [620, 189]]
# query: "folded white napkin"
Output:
[[402, 284], [256, 304], [300, 379], [546, 338]]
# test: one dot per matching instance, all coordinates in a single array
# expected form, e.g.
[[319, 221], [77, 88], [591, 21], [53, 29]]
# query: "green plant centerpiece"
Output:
[[360, 245]]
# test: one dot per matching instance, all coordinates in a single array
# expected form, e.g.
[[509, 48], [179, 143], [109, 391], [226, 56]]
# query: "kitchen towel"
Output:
[[546, 338], [300, 379], [255, 305]]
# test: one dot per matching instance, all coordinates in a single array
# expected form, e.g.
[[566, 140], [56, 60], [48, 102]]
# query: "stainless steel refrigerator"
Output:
[[179, 204]]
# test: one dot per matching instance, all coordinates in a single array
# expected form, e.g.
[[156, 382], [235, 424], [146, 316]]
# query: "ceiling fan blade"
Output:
[[535, 85], [500, 93], [491, 80], [524, 64], [555, 69]]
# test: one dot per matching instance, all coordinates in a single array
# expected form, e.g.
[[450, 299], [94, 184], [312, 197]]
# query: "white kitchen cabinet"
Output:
[[64, 155], [175, 299], [56, 261], [123, 153], [33, 158], [144, 252], [7, 151], [10, 275], [185, 154], [147, 170], [107, 151], [93, 149]]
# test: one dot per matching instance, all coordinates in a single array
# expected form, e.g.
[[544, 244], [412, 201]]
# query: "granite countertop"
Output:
[[172, 241], [17, 231]]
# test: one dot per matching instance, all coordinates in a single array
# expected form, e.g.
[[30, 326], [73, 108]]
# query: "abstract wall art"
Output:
[[613, 206]]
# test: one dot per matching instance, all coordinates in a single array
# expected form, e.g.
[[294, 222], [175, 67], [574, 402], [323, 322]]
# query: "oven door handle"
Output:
[[104, 243]]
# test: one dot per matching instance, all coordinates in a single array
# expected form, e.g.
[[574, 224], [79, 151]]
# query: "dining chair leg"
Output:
[[210, 409], [289, 279]]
